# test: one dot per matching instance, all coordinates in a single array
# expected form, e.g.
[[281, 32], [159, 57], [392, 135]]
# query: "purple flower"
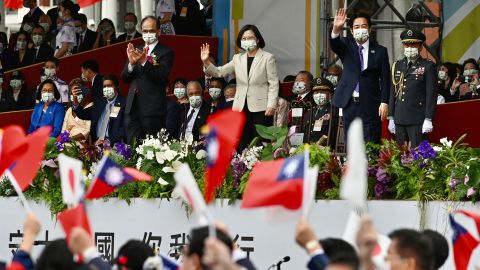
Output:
[[238, 170], [406, 159], [453, 183], [426, 150], [150, 59], [380, 190], [466, 179], [123, 150], [64, 137], [59, 146], [415, 155], [382, 176], [372, 171]]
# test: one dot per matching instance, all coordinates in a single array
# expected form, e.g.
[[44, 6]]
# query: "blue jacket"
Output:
[[52, 117]]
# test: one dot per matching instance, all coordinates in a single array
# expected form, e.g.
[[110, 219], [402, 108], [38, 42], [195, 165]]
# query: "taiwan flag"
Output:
[[224, 132], [279, 182], [169, 264], [464, 243], [13, 145], [110, 176]]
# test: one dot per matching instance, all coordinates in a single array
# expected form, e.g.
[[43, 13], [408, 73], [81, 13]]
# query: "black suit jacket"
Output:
[[148, 83], [25, 100], [174, 118], [44, 52], [123, 37], [7, 103], [374, 80], [116, 130], [200, 121], [97, 87], [417, 100], [26, 61], [35, 16], [88, 41]]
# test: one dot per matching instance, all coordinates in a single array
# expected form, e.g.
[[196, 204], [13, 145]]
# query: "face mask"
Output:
[[79, 98], [442, 75], [37, 39], [45, 26], [108, 92], [411, 53], [320, 98], [129, 26], [149, 38], [85, 79], [15, 84], [470, 72], [21, 45], [360, 35], [78, 30], [229, 99], [248, 45], [214, 92], [333, 79], [50, 72], [47, 97], [106, 29], [195, 101], [299, 88], [179, 92], [27, 28], [43, 78]]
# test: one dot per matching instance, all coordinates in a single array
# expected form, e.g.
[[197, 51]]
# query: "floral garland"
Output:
[[445, 171]]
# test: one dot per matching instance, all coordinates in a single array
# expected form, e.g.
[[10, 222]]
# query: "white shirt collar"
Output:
[[365, 45], [151, 47], [304, 94]]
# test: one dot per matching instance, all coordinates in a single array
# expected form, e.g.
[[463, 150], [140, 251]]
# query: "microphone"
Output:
[[283, 260]]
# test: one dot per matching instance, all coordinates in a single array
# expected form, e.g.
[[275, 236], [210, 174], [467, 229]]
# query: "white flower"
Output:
[[189, 138], [176, 193], [168, 169], [170, 155], [437, 148], [150, 155], [139, 163], [160, 157], [162, 181], [446, 142], [292, 150], [176, 165], [201, 154]]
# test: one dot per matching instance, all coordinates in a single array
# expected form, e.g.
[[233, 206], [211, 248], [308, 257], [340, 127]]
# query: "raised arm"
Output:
[[211, 69], [338, 45]]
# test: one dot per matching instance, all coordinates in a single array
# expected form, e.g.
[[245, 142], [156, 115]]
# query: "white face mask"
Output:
[[21, 45], [360, 35], [108, 92], [411, 53], [442, 75], [37, 40], [27, 28], [248, 45], [229, 99], [149, 38], [78, 30], [45, 26], [333, 79], [47, 97], [320, 98], [43, 78], [129, 26], [84, 78], [195, 101], [50, 72], [299, 88], [179, 92], [470, 72], [214, 92], [15, 84], [79, 98]]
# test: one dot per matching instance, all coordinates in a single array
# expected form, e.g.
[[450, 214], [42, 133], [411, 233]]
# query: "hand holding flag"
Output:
[[74, 217]]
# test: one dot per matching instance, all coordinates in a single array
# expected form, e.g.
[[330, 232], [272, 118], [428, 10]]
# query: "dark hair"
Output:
[[309, 75], [359, 15], [198, 237], [3, 38], [340, 251], [182, 80], [131, 14], [135, 253], [68, 4], [111, 25], [56, 94], [90, 64], [220, 80], [254, 29], [38, 26], [56, 255], [54, 60], [81, 17], [289, 78], [440, 244], [112, 78], [451, 70], [470, 61], [150, 17], [27, 36], [411, 243]]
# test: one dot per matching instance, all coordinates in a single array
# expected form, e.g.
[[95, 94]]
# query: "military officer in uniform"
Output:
[[321, 121], [413, 94]]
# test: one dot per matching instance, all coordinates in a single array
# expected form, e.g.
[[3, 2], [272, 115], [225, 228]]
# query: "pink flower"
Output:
[[466, 179], [471, 191]]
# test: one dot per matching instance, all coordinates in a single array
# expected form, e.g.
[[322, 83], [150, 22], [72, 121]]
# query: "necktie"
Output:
[[360, 53], [189, 117], [409, 65], [80, 41], [299, 98], [147, 49], [105, 120]]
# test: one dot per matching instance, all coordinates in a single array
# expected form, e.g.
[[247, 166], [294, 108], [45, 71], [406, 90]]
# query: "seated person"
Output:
[[6, 98], [302, 87], [180, 90], [50, 70], [195, 115], [215, 93], [40, 51], [467, 85], [106, 34], [45, 22], [106, 114], [229, 94], [130, 24], [22, 56], [302, 101], [321, 121], [22, 97], [334, 73], [85, 37], [76, 127], [48, 112], [5, 54]]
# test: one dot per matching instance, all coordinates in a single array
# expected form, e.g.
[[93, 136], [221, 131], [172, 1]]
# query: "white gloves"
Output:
[[391, 126], [427, 126]]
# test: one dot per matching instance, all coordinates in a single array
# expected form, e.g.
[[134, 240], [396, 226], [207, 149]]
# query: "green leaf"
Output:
[[265, 132], [267, 153], [474, 173]]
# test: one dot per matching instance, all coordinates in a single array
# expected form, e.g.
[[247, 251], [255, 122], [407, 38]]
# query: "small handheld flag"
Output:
[[74, 217], [70, 175], [463, 241]]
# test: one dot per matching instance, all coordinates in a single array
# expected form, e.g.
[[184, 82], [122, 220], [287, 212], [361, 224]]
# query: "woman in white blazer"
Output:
[[257, 81]]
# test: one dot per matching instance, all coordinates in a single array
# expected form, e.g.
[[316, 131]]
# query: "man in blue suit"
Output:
[[106, 114], [363, 90]]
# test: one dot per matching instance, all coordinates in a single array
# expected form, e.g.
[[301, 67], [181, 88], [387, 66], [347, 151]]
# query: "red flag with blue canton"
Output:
[[278, 182], [110, 176], [169, 264], [463, 242], [224, 132]]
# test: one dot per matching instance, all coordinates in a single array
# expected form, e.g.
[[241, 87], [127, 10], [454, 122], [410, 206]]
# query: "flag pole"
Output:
[[211, 224], [19, 191], [306, 181]]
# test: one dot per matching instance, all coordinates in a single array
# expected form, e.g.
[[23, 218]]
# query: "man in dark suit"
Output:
[[229, 95], [364, 87], [85, 37], [130, 24], [413, 94], [106, 114], [303, 101], [90, 74], [147, 72], [41, 51], [34, 13], [195, 115], [207, 15]]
